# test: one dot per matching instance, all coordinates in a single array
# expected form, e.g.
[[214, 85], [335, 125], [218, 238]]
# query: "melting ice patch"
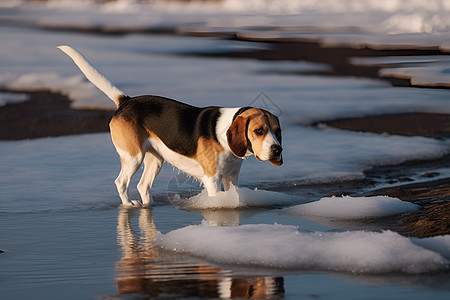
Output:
[[234, 198], [347, 207], [284, 246], [439, 244]]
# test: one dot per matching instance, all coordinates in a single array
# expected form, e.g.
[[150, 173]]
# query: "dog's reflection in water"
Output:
[[146, 272]]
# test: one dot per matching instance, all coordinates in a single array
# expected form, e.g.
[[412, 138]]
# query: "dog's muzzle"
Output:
[[275, 154], [275, 150]]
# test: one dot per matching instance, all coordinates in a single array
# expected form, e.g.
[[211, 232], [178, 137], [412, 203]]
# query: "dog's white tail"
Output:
[[94, 76]]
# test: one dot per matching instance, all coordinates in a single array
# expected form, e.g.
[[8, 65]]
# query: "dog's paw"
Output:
[[132, 204], [146, 205], [136, 203]]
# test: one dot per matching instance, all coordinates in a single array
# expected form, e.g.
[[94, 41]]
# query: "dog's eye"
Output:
[[259, 131]]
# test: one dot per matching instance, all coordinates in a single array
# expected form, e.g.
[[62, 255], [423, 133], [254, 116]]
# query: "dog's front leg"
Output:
[[230, 180], [212, 184], [231, 172]]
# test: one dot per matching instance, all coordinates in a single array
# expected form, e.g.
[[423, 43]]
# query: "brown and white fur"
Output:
[[207, 143]]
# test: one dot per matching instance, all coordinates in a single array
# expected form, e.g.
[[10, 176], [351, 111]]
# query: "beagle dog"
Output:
[[207, 143]]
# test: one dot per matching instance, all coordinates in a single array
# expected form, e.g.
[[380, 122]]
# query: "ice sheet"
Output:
[[234, 198], [347, 207], [281, 246]]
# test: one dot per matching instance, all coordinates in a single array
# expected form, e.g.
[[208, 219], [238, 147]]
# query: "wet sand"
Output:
[[49, 114]]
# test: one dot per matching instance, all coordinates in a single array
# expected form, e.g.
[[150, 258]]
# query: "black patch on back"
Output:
[[123, 99], [177, 124]]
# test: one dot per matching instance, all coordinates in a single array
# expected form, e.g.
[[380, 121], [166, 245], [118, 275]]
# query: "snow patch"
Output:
[[283, 246], [439, 244], [347, 207], [234, 198]]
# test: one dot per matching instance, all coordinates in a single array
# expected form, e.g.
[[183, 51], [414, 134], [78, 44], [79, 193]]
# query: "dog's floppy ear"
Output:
[[236, 137]]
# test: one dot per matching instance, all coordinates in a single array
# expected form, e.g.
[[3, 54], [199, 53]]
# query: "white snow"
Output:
[[440, 244], [347, 207], [281, 246], [234, 198]]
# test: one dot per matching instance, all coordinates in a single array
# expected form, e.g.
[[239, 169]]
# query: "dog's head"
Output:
[[256, 131]]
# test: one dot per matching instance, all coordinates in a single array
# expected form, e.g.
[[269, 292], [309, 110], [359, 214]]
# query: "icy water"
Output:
[[63, 234]]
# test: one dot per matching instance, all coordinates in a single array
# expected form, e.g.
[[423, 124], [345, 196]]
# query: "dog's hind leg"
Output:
[[130, 164], [153, 163], [129, 140]]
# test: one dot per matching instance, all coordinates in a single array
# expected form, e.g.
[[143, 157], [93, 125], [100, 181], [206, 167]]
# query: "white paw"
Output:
[[136, 203], [146, 205], [132, 203]]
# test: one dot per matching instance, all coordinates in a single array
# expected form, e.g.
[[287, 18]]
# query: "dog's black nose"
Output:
[[276, 150]]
